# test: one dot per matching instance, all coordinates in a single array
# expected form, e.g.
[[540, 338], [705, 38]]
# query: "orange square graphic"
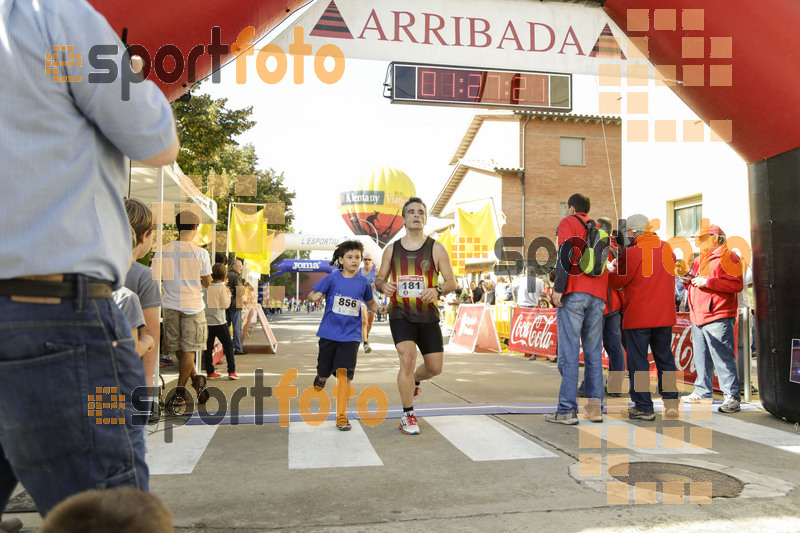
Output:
[[638, 75], [720, 75], [275, 213], [190, 297], [666, 75], [163, 268], [617, 492], [672, 437], [163, 213], [641, 381], [664, 19], [693, 19], [693, 75], [610, 75], [700, 437], [590, 465], [693, 131], [246, 185], [721, 130], [638, 19], [665, 130], [644, 492], [672, 492], [669, 381], [645, 437], [617, 436], [590, 436], [700, 492], [638, 48], [619, 462], [637, 131], [692, 47], [721, 47]]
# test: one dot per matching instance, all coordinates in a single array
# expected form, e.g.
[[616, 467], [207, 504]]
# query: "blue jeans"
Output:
[[234, 316], [580, 321], [52, 358], [659, 340], [713, 350]]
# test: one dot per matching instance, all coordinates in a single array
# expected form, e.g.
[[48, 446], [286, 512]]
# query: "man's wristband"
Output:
[[439, 290]]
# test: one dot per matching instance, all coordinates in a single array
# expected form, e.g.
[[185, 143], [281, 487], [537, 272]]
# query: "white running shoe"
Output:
[[730, 405], [417, 392], [408, 424], [693, 397]]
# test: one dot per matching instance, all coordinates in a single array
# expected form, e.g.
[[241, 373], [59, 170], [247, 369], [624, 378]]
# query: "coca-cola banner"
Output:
[[533, 331]]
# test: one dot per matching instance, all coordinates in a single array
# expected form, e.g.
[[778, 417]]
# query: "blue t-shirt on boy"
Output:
[[343, 298]]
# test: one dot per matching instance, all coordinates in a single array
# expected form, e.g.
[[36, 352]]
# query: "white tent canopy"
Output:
[[146, 182]]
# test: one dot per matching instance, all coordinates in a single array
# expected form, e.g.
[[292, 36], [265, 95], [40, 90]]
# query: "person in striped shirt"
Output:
[[409, 274]]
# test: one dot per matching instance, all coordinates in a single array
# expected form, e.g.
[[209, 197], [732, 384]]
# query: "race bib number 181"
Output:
[[342, 305], [410, 286]]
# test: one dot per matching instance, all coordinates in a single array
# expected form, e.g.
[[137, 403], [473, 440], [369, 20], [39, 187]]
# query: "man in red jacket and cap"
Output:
[[649, 316], [713, 284]]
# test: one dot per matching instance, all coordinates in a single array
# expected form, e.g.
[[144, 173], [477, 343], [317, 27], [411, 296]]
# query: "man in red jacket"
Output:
[[649, 316], [580, 300], [713, 284]]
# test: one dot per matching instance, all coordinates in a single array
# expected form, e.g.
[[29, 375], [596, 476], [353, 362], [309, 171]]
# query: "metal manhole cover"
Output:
[[722, 485]]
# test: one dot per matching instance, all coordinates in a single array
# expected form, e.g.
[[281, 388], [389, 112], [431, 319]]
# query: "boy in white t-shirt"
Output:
[[185, 270]]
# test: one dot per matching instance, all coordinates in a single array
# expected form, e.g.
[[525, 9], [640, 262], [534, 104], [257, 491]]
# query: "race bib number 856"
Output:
[[410, 286], [342, 305]]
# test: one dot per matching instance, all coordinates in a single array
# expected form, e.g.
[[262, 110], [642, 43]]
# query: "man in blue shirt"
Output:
[[66, 244]]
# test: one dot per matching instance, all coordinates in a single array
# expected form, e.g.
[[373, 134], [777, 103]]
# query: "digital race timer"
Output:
[[445, 85]]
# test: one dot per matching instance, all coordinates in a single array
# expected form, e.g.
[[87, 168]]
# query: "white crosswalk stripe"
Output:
[[182, 454], [484, 439], [325, 446]]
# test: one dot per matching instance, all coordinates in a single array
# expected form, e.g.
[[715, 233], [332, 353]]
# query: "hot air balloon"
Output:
[[374, 204]]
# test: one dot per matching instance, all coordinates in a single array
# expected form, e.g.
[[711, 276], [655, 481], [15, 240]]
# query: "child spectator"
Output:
[[218, 298], [121, 509], [340, 331], [140, 280], [129, 304]]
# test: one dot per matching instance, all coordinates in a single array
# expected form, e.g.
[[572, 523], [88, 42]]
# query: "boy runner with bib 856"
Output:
[[414, 263], [339, 332]]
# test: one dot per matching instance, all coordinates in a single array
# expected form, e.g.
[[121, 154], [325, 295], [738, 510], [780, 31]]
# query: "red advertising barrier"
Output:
[[474, 329], [535, 332]]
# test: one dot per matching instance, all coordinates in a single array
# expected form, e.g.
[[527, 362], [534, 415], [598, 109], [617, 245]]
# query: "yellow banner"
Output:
[[246, 232], [260, 263], [476, 235]]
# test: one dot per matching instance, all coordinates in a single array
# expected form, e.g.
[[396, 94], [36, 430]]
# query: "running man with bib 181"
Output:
[[414, 264]]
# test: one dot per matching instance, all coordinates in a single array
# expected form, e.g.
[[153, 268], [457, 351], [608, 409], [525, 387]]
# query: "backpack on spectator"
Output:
[[595, 255]]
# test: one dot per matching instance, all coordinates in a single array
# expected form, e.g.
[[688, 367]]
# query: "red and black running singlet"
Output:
[[413, 271]]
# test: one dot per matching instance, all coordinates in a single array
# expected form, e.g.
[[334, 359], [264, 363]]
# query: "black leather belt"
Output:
[[52, 289]]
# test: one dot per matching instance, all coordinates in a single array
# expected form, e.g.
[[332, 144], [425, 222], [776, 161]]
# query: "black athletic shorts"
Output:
[[334, 355], [426, 335]]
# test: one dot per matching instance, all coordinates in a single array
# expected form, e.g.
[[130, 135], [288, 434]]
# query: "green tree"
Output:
[[207, 130]]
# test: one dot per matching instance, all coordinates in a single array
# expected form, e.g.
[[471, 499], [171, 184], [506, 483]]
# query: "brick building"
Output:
[[547, 157]]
